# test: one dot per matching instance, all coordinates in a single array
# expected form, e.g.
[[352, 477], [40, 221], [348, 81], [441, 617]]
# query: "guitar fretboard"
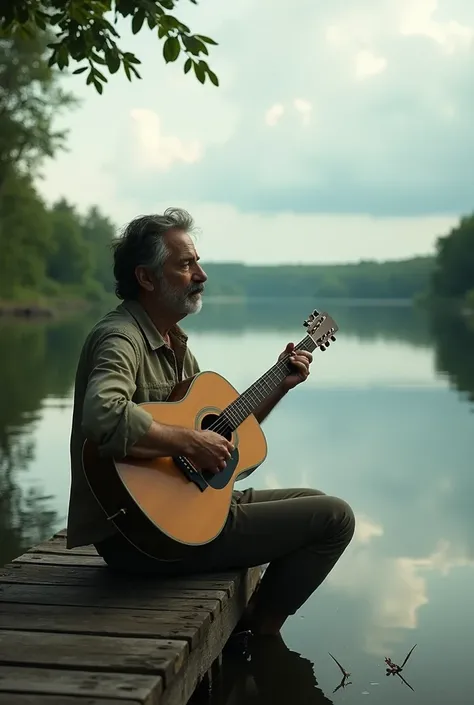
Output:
[[247, 403]]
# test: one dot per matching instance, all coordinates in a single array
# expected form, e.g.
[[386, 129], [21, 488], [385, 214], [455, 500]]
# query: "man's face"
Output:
[[183, 279]]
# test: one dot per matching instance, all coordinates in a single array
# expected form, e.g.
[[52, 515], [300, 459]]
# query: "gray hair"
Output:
[[142, 243]]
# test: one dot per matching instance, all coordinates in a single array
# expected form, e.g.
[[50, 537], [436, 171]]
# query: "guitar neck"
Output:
[[249, 401]]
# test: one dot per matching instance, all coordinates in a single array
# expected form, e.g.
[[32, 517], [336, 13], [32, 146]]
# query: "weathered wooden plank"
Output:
[[201, 659], [224, 581], [94, 653], [29, 699], [112, 622], [58, 545], [31, 574], [105, 598], [60, 534], [118, 686]]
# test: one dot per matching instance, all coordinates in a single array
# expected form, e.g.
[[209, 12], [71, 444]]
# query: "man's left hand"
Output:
[[300, 361]]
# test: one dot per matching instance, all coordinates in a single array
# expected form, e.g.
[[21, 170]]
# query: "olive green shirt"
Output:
[[124, 362]]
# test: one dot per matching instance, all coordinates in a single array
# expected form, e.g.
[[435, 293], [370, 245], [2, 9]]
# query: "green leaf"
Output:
[[138, 20], [207, 40], [99, 75], [113, 61], [193, 45], [200, 72], [212, 76], [130, 58], [134, 71], [81, 70], [63, 56], [162, 31], [98, 86], [187, 65], [52, 58], [56, 18], [171, 49], [98, 59]]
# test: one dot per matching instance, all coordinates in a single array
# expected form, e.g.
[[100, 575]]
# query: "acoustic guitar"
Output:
[[166, 507]]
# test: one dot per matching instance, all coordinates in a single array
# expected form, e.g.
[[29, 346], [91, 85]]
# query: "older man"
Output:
[[137, 353]]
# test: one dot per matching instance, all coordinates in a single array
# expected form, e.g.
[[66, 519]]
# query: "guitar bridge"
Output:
[[190, 472]]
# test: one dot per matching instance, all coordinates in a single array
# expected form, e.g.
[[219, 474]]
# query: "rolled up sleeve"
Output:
[[110, 418]]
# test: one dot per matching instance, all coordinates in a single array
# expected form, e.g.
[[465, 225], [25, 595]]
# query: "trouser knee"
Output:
[[341, 518]]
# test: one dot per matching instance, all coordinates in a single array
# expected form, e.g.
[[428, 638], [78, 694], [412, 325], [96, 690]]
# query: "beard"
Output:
[[183, 301]]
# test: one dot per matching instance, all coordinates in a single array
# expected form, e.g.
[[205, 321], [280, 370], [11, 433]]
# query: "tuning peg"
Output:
[[333, 338], [315, 312], [306, 323], [322, 347]]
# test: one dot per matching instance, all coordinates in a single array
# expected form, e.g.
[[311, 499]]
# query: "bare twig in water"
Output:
[[345, 675], [394, 669]]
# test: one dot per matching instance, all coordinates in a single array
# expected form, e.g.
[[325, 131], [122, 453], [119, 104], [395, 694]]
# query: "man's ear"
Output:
[[144, 278]]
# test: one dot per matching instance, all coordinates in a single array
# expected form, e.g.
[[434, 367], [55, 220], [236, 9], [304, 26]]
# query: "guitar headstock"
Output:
[[322, 328]]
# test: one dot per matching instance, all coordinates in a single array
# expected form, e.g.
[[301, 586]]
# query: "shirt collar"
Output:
[[149, 330]]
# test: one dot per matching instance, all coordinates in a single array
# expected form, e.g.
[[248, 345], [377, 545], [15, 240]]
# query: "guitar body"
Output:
[[152, 502]]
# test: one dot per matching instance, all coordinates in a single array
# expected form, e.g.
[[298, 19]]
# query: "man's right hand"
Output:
[[210, 451]]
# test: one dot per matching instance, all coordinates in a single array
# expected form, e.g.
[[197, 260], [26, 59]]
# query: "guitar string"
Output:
[[233, 411], [246, 402]]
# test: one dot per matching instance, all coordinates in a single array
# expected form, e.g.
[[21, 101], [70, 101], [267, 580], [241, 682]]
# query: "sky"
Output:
[[340, 131]]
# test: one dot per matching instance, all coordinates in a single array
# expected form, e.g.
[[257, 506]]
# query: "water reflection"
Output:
[[454, 347], [385, 423], [270, 674], [37, 361]]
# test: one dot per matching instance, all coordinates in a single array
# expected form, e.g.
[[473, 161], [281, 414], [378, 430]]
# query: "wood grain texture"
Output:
[[74, 633], [58, 545], [112, 622], [105, 598], [44, 681], [200, 660], [46, 574], [93, 653], [34, 699]]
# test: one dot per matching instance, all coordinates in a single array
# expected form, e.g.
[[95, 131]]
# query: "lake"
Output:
[[385, 421]]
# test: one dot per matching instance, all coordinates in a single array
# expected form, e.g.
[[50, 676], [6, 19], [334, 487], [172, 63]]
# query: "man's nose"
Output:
[[200, 275]]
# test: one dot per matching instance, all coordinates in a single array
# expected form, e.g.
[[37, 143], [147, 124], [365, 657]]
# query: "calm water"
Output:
[[385, 421]]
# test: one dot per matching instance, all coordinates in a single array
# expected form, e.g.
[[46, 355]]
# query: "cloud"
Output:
[[155, 150], [391, 86], [419, 19], [339, 111], [368, 64], [273, 114], [395, 588]]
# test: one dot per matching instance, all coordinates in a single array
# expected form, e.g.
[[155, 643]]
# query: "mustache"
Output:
[[196, 289]]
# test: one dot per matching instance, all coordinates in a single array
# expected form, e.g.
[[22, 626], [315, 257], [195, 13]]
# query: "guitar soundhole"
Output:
[[219, 480], [221, 426]]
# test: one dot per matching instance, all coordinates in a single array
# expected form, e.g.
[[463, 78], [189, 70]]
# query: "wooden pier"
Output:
[[74, 633]]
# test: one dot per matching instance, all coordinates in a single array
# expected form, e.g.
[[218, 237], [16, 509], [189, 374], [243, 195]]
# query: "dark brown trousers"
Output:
[[300, 533]]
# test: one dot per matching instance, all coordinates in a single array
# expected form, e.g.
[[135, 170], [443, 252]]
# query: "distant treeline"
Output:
[[57, 252], [51, 252], [403, 279]]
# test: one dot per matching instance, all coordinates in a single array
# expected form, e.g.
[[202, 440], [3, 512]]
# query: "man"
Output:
[[137, 353]]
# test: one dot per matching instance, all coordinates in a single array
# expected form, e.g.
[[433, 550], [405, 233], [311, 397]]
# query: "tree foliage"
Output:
[[364, 280], [453, 275], [30, 101], [85, 31]]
